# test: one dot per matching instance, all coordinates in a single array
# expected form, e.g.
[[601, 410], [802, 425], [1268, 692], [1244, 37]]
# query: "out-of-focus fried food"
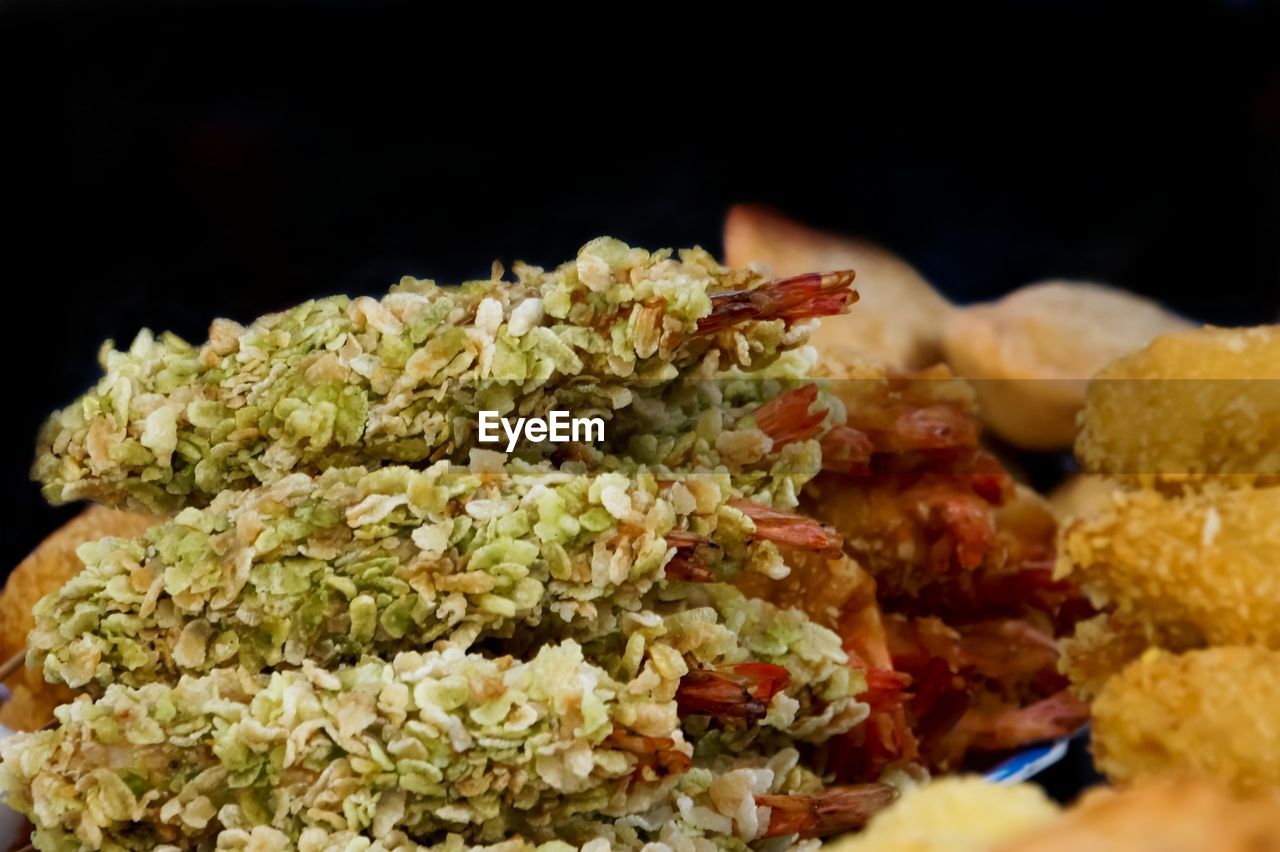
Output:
[[963, 561], [1172, 815], [1213, 713], [983, 686], [928, 536], [899, 317], [954, 814], [50, 565], [1100, 647], [1191, 569], [1035, 349], [1190, 403], [1081, 495]]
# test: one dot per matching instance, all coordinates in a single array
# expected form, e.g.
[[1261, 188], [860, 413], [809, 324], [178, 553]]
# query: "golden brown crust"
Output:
[[1192, 403], [1212, 713], [1191, 569], [47, 567], [1178, 815], [899, 316]]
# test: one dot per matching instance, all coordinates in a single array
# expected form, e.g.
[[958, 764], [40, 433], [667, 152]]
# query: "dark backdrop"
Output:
[[163, 165]]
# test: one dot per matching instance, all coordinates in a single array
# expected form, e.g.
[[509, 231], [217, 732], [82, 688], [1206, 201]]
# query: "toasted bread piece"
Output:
[[1033, 352], [899, 315], [50, 565]]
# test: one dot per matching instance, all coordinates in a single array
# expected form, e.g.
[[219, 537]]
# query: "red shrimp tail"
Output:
[[815, 294]]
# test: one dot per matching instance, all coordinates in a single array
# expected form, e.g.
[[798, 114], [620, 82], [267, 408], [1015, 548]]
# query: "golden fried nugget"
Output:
[[1191, 403], [1171, 815], [1191, 569], [50, 565], [898, 317], [1211, 713], [1033, 352], [954, 814]]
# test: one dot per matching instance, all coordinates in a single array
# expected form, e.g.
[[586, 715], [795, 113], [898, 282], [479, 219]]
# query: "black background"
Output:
[[166, 164]]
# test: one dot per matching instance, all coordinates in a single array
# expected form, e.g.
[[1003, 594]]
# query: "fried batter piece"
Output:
[[1211, 713], [1187, 570], [1179, 815], [1191, 403], [900, 316], [1035, 349], [44, 571]]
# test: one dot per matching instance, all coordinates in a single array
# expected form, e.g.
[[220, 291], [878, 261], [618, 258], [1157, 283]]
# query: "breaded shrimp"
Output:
[[1212, 713], [1191, 403], [1191, 569]]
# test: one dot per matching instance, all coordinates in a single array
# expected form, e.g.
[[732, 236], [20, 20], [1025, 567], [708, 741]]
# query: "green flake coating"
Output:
[[354, 562], [341, 382]]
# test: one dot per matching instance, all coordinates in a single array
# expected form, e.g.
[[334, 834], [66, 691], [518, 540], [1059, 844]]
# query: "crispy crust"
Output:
[[1210, 713], [50, 565], [1189, 404], [1191, 569], [1034, 350]]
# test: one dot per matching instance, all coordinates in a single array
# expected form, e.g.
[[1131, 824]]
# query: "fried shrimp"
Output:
[[340, 382], [1185, 570], [1191, 403], [1212, 713], [48, 567]]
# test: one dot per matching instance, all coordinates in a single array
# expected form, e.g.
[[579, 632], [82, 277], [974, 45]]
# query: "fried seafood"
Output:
[[1169, 815], [1031, 353], [428, 743], [51, 564], [962, 561], [1184, 570], [956, 814], [1210, 713], [339, 382], [352, 562], [899, 318], [1191, 403]]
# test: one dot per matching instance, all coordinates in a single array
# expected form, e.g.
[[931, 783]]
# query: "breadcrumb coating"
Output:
[[44, 571], [955, 814], [1191, 569], [1191, 403], [1213, 713], [340, 382]]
